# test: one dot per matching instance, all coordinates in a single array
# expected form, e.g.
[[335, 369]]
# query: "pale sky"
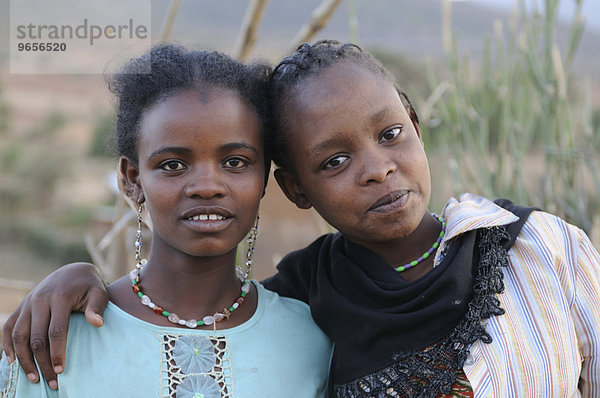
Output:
[[591, 9]]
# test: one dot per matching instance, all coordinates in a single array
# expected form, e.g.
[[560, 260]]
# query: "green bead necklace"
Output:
[[429, 252]]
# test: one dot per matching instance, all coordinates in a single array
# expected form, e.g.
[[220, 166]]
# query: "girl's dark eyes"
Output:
[[335, 162], [172, 165], [236, 163], [176, 165], [391, 134]]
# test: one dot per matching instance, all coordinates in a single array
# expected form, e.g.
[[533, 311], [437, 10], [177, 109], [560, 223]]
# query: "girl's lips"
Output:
[[207, 219], [390, 202], [208, 226]]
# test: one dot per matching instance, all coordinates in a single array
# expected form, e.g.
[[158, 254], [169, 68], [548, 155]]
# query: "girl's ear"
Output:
[[131, 179], [290, 187]]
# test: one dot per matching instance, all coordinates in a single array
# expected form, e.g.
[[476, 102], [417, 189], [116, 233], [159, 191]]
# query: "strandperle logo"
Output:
[[77, 36], [90, 32]]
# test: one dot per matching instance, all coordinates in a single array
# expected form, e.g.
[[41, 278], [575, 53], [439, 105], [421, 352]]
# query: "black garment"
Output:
[[377, 319]]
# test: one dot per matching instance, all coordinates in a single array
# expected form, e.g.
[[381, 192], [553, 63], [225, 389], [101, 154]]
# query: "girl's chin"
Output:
[[205, 250]]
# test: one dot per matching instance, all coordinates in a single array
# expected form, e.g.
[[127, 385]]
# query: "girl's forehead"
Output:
[[343, 86], [197, 106], [339, 82], [217, 114]]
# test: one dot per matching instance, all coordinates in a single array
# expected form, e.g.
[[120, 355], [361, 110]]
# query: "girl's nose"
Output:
[[377, 166], [206, 183]]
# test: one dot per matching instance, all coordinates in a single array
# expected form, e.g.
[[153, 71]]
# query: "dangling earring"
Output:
[[250, 252], [139, 261]]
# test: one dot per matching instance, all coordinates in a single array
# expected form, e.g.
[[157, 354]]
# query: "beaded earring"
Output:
[[138, 237], [225, 313], [250, 252]]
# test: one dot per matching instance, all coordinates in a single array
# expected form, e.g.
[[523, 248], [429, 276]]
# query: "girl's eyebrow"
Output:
[[184, 150], [239, 145], [324, 146], [379, 116], [171, 149]]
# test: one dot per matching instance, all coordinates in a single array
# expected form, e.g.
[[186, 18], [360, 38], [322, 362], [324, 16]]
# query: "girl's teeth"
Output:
[[205, 217]]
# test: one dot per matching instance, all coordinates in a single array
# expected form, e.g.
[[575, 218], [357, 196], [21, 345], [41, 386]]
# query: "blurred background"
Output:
[[507, 91]]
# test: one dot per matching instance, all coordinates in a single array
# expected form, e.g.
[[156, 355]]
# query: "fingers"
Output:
[[57, 333], [96, 301], [40, 320], [39, 325], [20, 339], [7, 334]]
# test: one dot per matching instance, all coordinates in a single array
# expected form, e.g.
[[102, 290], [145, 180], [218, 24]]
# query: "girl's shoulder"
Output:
[[548, 232], [287, 312], [470, 211]]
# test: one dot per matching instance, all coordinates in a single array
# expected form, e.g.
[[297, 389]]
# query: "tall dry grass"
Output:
[[521, 126]]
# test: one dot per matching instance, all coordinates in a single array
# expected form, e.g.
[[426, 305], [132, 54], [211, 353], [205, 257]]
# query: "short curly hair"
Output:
[[168, 69], [304, 63]]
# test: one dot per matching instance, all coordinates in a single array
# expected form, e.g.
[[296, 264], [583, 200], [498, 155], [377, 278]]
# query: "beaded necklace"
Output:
[[173, 317], [429, 252]]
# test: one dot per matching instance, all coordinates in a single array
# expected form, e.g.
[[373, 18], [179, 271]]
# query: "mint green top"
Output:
[[279, 352]]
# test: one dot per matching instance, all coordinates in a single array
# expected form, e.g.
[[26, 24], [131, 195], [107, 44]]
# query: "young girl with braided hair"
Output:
[[486, 299]]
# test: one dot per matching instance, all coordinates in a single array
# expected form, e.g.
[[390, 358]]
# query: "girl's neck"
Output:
[[205, 281], [404, 250], [190, 286]]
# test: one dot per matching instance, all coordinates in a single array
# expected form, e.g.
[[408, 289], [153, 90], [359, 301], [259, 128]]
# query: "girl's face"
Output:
[[201, 171], [358, 158]]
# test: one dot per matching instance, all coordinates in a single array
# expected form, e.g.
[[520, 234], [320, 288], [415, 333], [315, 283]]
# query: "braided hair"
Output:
[[168, 69], [304, 63]]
